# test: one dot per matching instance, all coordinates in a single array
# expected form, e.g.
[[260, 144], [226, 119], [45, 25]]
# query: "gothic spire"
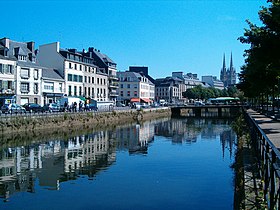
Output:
[[224, 63], [231, 63]]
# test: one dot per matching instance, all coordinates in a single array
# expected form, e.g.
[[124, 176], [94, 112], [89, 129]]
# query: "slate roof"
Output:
[[48, 73], [103, 57]]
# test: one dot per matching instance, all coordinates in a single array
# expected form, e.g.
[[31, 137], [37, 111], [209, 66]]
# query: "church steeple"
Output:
[[231, 63], [224, 62], [223, 74]]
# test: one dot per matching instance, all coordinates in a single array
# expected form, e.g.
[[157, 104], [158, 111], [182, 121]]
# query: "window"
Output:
[[22, 57], [92, 92], [60, 87], [36, 100], [135, 93], [75, 90], [85, 79], [89, 91], [70, 65], [121, 85], [70, 77], [98, 81], [128, 93], [75, 66], [128, 85], [75, 78], [81, 67], [92, 80], [24, 73], [121, 93], [36, 90], [85, 91], [69, 90], [49, 86], [24, 87], [80, 91], [80, 78], [36, 75]]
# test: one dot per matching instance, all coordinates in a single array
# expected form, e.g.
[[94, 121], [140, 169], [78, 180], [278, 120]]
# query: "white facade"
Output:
[[82, 77], [135, 85], [213, 82], [28, 85], [7, 76]]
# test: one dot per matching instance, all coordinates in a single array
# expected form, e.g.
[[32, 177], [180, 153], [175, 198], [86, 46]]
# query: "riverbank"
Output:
[[65, 123]]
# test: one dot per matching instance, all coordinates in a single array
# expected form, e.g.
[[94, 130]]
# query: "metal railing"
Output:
[[269, 159]]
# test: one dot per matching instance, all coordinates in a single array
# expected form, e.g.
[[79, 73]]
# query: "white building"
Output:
[[213, 82], [82, 77], [135, 87], [27, 72], [7, 80]]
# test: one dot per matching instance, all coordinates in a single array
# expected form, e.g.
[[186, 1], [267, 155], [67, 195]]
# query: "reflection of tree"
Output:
[[187, 130]]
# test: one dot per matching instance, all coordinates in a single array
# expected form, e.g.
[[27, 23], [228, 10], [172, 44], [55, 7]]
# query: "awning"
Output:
[[82, 98], [135, 100], [146, 100]]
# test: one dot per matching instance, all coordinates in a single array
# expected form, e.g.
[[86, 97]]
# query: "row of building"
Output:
[[44, 75]]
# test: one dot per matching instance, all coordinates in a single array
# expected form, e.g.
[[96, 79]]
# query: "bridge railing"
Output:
[[269, 159]]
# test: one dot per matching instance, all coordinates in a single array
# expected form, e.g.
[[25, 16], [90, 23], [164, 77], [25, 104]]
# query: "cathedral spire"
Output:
[[224, 63], [231, 63]]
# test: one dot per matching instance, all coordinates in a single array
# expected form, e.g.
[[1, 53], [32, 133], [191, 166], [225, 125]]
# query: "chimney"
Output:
[[6, 42], [30, 46]]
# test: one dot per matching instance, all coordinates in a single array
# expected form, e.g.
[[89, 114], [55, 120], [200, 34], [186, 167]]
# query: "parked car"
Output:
[[12, 108], [52, 107], [32, 107], [199, 103], [119, 104], [91, 107]]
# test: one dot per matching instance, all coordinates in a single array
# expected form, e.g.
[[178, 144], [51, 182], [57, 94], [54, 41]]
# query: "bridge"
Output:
[[214, 111]]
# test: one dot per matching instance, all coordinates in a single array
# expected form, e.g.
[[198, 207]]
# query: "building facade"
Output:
[[83, 78], [135, 87], [170, 89], [52, 86], [109, 68], [27, 73], [213, 82], [7, 80]]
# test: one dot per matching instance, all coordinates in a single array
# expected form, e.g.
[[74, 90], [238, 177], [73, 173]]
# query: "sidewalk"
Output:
[[270, 127]]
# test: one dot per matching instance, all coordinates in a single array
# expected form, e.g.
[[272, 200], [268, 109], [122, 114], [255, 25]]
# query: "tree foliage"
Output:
[[261, 71], [203, 93]]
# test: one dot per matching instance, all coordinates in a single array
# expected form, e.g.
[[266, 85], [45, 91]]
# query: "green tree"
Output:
[[259, 76]]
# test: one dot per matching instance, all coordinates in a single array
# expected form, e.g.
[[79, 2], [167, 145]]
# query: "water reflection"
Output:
[[52, 162]]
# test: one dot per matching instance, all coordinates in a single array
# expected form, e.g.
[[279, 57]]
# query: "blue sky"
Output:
[[166, 36]]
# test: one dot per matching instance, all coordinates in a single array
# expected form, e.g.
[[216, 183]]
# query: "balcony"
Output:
[[113, 77], [114, 85]]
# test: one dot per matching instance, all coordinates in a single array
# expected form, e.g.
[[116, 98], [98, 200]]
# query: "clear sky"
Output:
[[166, 36]]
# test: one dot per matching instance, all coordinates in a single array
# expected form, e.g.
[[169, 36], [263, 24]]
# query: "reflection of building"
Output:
[[53, 162], [135, 138]]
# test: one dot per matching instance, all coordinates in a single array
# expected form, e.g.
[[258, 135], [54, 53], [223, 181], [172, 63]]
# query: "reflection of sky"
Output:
[[97, 160]]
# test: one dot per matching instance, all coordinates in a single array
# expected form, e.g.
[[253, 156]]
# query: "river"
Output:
[[162, 164]]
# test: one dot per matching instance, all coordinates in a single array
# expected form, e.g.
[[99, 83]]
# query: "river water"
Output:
[[162, 164]]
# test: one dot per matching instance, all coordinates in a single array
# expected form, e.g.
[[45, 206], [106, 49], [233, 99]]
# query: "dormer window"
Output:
[[22, 57]]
